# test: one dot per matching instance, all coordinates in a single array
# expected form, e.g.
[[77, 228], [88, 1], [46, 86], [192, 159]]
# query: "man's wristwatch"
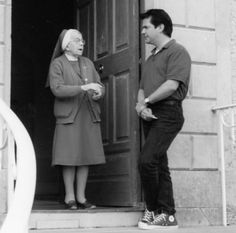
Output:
[[146, 101]]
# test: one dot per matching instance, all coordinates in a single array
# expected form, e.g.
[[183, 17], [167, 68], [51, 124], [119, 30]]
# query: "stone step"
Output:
[[67, 219], [52, 215]]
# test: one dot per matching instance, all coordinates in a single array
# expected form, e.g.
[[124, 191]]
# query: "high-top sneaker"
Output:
[[162, 221], [148, 217]]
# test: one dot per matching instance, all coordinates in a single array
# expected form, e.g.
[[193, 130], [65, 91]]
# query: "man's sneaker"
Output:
[[148, 217], [162, 221]]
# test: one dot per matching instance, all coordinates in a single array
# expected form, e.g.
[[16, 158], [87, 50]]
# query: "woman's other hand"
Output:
[[92, 86], [97, 94]]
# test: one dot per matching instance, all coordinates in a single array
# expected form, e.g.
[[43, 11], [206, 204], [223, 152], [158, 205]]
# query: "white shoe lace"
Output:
[[147, 216], [159, 218]]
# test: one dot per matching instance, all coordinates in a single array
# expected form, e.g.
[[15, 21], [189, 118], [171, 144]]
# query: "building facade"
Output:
[[207, 29]]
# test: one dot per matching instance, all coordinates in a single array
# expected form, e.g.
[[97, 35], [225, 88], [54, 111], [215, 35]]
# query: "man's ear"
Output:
[[161, 27]]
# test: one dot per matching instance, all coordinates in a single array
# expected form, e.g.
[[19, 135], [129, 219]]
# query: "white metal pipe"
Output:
[[223, 107], [18, 215], [221, 124], [222, 160]]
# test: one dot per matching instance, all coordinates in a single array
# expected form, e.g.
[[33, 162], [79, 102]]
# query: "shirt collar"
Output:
[[71, 58], [166, 46]]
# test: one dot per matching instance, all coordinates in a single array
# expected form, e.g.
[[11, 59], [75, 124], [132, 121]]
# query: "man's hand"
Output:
[[147, 115], [140, 107], [142, 102]]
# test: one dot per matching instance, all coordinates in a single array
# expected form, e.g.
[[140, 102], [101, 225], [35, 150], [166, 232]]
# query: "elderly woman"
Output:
[[77, 140]]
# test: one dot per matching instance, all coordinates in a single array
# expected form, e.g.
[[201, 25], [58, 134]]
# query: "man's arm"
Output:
[[164, 91], [140, 106], [141, 96]]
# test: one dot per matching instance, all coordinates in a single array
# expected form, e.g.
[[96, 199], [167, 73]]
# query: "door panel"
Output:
[[112, 43], [85, 15], [102, 28], [122, 24]]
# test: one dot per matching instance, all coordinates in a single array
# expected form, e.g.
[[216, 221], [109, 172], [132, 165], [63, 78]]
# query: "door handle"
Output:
[[100, 68]]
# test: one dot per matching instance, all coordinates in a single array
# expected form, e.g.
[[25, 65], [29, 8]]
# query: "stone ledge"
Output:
[[75, 220]]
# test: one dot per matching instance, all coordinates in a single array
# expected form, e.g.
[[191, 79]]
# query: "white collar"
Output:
[[155, 51], [71, 58]]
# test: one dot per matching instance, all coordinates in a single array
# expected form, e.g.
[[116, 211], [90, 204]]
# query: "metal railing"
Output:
[[20, 195], [226, 111]]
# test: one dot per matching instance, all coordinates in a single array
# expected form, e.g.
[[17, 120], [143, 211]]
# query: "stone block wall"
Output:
[[5, 67], [233, 48], [230, 147], [5, 49], [194, 154]]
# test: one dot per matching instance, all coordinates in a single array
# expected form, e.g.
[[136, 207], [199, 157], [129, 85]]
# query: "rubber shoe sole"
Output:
[[142, 225], [152, 227]]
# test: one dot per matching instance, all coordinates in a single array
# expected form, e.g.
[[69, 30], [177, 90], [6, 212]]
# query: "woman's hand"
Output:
[[92, 86], [97, 95]]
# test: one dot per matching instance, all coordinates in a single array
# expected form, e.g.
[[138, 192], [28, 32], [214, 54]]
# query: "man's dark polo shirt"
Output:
[[172, 62]]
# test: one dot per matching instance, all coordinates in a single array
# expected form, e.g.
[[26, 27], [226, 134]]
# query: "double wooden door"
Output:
[[111, 31]]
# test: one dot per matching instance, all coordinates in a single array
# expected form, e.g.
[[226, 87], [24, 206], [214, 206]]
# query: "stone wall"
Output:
[[230, 147], [194, 158], [233, 48], [5, 58], [203, 27]]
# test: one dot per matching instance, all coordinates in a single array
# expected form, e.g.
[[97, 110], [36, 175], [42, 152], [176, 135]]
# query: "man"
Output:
[[163, 86]]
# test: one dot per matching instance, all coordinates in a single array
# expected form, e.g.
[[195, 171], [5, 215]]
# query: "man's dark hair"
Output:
[[158, 17]]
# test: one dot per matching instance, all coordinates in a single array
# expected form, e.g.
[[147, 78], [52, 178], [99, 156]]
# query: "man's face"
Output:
[[76, 45], [150, 33]]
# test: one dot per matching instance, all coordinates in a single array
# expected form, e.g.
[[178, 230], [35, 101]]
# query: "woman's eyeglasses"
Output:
[[79, 41]]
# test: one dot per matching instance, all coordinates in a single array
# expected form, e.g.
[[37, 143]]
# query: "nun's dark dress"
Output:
[[77, 138]]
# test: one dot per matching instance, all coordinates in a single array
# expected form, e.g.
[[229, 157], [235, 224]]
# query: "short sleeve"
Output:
[[179, 65]]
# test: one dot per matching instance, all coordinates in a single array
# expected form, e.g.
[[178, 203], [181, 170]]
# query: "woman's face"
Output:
[[76, 45]]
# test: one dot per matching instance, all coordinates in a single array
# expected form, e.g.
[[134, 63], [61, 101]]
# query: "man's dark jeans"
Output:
[[153, 161]]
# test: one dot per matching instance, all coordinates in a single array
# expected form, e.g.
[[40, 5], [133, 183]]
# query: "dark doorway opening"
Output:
[[110, 29], [35, 29]]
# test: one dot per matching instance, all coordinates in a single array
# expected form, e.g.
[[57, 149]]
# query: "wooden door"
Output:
[[110, 28]]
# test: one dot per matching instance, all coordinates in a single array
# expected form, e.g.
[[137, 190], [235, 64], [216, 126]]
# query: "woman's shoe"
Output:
[[85, 205], [71, 205]]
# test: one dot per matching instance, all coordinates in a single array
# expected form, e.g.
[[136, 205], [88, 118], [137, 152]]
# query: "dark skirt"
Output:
[[78, 143]]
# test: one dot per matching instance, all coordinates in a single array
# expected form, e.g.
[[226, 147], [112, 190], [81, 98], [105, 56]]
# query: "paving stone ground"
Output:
[[215, 229]]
